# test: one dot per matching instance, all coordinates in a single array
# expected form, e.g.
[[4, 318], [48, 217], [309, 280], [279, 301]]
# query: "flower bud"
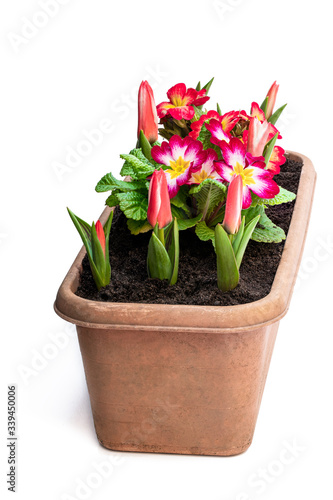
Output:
[[147, 121], [233, 209]]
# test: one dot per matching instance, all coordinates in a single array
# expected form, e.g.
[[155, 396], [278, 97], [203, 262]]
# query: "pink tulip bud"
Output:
[[147, 113], [272, 93], [100, 234], [233, 209], [258, 136], [159, 208]]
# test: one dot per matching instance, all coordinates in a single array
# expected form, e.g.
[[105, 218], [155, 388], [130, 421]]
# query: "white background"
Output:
[[85, 65]]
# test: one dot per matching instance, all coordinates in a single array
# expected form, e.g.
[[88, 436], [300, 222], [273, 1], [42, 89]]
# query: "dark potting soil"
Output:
[[197, 279]]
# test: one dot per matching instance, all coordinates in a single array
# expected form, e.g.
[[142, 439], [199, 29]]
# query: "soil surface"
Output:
[[197, 279]]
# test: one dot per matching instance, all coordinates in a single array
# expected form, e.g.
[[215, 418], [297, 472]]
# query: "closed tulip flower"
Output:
[[159, 209], [147, 113], [272, 93], [233, 209]]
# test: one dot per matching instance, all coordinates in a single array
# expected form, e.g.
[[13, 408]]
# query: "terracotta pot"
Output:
[[183, 379]]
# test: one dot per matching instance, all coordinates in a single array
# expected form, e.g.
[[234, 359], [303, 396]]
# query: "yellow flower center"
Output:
[[246, 174], [201, 176], [178, 167], [177, 101]]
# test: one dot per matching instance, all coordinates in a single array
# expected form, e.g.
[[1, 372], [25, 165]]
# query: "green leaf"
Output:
[[267, 232], [180, 199], [248, 230], [84, 231], [99, 265], [138, 226], [218, 109], [275, 116], [284, 196], [264, 105], [227, 269], [197, 113], [236, 240], [204, 232], [187, 223], [207, 87], [109, 183], [112, 200], [198, 87], [107, 229], [134, 205], [270, 147], [178, 212], [145, 145], [204, 137], [208, 195], [158, 260], [136, 165], [173, 252], [197, 188], [252, 212]]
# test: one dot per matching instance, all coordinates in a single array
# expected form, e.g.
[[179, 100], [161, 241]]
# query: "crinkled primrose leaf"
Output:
[[134, 205], [284, 196]]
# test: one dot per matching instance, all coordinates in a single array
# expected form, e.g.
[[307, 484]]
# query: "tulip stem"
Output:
[[161, 236]]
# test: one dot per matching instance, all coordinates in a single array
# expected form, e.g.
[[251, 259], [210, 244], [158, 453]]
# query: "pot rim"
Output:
[[201, 318]]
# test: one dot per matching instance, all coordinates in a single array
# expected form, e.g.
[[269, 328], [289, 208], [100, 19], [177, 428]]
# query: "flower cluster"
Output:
[[214, 172], [189, 163]]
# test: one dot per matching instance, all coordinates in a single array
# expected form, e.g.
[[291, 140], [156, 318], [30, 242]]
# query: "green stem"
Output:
[[161, 236]]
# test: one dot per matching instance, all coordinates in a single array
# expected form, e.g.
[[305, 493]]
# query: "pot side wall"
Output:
[[176, 392], [183, 379]]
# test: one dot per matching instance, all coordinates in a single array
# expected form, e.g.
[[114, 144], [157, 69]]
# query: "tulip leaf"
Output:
[[138, 226], [173, 251], [158, 261], [99, 264], [264, 105], [248, 230], [236, 241], [275, 116], [227, 269], [198, 87], [134, 205], [284, 196], [84, 231], [107, 229], [270, 147], [218, 109], [145, 145]]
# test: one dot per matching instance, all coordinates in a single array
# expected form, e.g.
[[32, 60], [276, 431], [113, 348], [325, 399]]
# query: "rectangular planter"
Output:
[[177, 378]]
